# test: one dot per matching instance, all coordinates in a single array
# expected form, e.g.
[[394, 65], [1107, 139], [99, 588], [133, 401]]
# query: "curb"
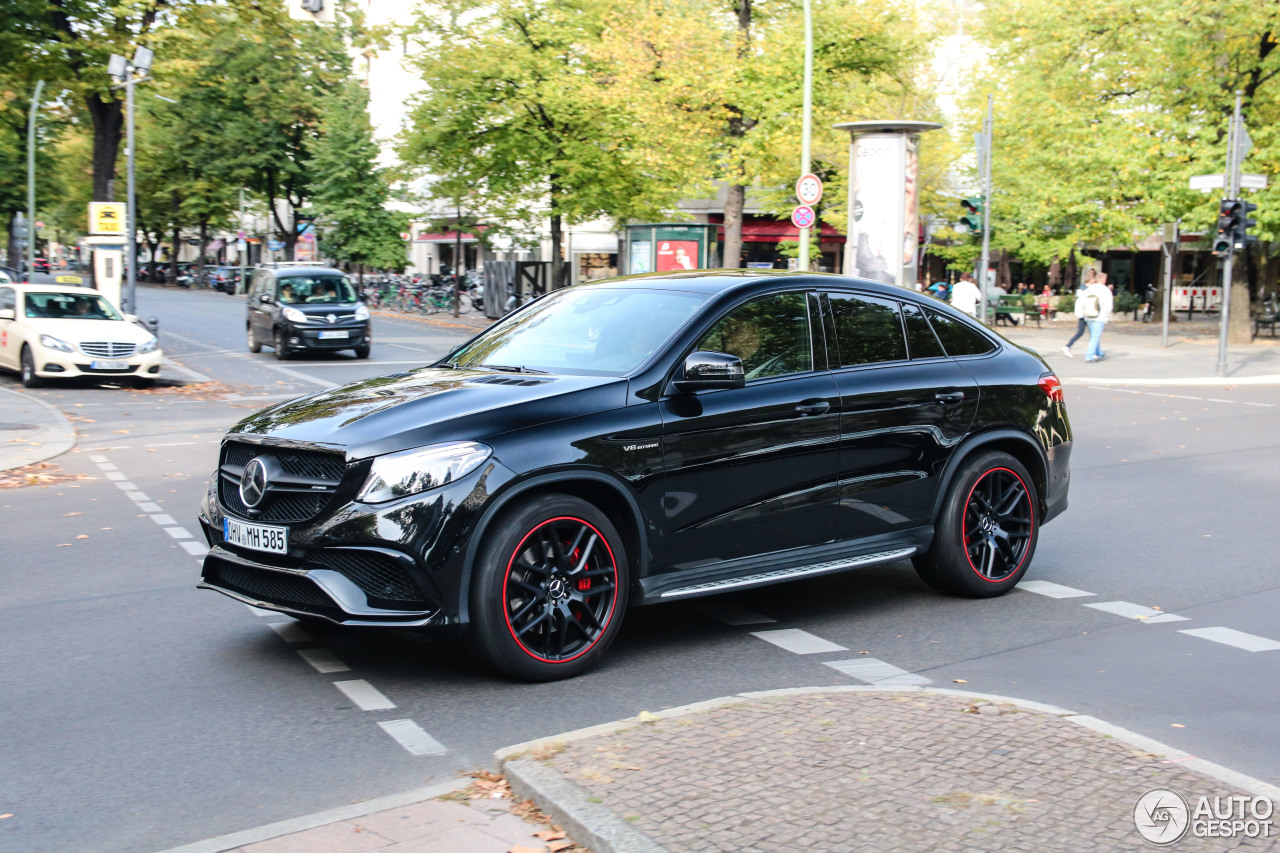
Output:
[[63, 436], [298, 824], [592, 824]]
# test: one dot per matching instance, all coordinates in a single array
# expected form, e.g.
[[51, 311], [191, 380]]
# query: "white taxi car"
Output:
[[51, 330]]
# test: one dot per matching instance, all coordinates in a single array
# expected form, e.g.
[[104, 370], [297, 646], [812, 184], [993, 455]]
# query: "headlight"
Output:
[[53, 343], [362, 313], [149, 346], [397, 475], [293, 315]]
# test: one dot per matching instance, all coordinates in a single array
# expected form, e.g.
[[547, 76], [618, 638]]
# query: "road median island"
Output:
[[865, 768], [31, 430]]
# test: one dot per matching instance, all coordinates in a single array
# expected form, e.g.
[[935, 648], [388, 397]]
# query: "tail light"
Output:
[[1052, 388]]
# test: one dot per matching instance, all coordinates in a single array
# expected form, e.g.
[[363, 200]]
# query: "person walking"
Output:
[[1081, 325], [1096, 302], [965, 295]]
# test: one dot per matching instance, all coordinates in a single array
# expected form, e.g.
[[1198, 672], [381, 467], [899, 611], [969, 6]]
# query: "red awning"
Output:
[[776, 230], [444, 237]]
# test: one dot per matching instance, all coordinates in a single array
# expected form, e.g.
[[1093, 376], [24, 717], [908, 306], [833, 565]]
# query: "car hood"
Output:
[[78, 331], [405, 410]]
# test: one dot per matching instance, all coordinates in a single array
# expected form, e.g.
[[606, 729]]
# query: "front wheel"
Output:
[[29, 377], [550, 590], [986, 532], [282, 353]]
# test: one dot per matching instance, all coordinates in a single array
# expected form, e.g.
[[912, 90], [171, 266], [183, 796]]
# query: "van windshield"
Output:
[[315, 289]]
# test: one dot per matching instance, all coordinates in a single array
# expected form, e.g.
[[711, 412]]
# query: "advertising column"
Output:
[[884, 211]]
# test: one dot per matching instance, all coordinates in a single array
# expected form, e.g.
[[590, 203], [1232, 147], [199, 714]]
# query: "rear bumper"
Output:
[[1055, 498]]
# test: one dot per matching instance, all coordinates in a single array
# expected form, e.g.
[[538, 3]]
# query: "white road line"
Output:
[[364, 694], [1053, 590], [107, 466], [170, 444], [291, 632], [731, 614], [323, 660], [114, 475], [141, 498], [186, 371], [163, 520], [1216, 400], [1117, 390], [97, 459], [797, 641], [1136, 611], [323, 383], [126, 486], [1268, 405], [178, 532], [195, 549], [411, 736], [148, 507], [874, 671], [1239, 639]]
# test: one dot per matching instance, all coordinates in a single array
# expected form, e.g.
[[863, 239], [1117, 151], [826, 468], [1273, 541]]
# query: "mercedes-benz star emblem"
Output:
[[332, 318], [253, 483]]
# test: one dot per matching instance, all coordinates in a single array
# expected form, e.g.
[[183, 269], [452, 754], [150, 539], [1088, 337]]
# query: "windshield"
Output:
[[70, 306], [316, 289], [592, 330]]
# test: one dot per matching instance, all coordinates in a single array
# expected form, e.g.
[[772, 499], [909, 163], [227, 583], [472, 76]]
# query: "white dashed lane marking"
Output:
[[1229, 637], [195, 549], [878, 672], [411, 736], [1174, 396], [163, 520], [731, 614], [1053, 590], [178, 532], [365, 695], [155, 512], [1136, 611], [799, 642], [290, 632], [323, 660]]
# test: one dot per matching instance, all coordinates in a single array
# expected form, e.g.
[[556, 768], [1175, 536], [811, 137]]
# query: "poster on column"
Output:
[[677, 255], [877, 216]]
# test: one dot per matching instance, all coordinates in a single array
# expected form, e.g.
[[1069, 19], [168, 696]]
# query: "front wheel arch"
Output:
[[1017, 444]]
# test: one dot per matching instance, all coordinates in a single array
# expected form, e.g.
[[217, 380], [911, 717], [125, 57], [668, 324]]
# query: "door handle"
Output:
[[948, 398], [813, 407]]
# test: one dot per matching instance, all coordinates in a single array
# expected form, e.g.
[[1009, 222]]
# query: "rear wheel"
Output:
[[251, 338], [550, 590], [29, 377], [986, 533]]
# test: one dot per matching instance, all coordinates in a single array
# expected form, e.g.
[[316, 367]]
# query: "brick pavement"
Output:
[[866, 771]]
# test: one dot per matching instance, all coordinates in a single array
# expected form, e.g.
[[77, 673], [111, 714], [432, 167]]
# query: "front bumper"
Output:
[[397, 565], [299, 337], [52, 364]]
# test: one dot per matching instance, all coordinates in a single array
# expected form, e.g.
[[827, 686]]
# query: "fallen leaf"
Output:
[[83, 536], [3, 816], [549, 835], [1178, 725], [557, 846], [520, 848], [646, 717], [65, 545], [68, 515], [120, 431], [959, 681], [864, 653]]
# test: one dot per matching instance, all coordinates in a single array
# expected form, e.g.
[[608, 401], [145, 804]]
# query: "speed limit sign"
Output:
[[809, 189]]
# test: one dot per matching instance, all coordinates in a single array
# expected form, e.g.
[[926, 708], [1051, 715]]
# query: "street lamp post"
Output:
[[31, 179], [123, 71], [802, 262]]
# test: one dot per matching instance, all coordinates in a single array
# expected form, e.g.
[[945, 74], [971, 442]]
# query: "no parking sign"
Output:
[[803, 216]]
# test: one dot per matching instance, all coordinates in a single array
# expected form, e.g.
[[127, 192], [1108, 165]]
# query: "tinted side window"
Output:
[[6, 298], [920, 338], [957, 338], [868, 330], [769, 334]]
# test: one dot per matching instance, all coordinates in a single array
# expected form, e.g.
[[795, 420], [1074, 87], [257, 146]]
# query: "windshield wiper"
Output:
[[508, 368]]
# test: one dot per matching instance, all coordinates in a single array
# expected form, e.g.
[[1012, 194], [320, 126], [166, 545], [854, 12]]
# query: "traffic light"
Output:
[[1245, 223], [972, 219], [1225, 241]]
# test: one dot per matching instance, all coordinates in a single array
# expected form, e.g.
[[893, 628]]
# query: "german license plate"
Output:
[[260, 537], [334, 333], [109, 365]]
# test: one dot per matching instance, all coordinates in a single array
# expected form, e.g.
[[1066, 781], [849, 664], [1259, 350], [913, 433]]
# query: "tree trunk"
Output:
[[739, 124], [557, 259], [1240, 325], [734, 201], [108, 126], [13, 252], [204, 242]]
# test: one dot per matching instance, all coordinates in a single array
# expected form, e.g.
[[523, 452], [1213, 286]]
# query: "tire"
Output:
[[362, 352], [986, 532], [29, 377], [464, 304], [251, 338], [535, 615], [282, 354], [142, 383]]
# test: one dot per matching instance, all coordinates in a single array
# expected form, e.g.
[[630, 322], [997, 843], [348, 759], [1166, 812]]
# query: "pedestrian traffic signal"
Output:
[[972, 219], [1233, 225]]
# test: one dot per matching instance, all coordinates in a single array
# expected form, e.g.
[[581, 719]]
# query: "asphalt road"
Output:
[[139, 713]]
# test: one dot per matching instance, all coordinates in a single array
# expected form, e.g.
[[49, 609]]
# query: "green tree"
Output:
[[350, 191]]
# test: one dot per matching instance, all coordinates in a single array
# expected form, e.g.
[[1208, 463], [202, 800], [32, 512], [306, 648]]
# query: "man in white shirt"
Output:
[[1095, 307], [965, 295]]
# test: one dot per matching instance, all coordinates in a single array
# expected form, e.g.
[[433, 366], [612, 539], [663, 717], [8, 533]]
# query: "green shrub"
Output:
[[1127, 302], [1067, 303]]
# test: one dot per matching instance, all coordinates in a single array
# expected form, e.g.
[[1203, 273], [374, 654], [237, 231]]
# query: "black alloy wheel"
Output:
[[986, 532], [282, 354], [29, 377], [251, 339], [550, 590]]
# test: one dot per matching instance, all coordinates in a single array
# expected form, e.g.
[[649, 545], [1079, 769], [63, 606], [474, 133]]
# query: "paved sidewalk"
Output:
[[31, 430], [861, 769]]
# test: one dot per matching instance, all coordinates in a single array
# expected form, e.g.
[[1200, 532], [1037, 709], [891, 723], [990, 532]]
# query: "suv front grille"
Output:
[[108, 349], [301, 485], [378, 575], [271, 587]]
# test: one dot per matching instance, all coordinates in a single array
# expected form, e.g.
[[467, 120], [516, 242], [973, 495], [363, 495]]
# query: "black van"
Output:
[[302, 308]]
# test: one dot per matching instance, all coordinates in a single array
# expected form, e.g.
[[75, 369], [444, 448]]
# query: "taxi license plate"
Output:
[[260, 537], [109, 365], [335, 333]]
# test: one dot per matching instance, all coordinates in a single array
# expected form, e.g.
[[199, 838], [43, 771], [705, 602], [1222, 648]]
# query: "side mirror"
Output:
[[131, 318], [707, 370], [6, 314], [153, 325], [265, 298]]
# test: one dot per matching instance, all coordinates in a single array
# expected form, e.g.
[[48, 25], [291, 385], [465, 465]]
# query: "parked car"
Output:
[[295, 309], [53, 331], [643, 440], [224, 279]]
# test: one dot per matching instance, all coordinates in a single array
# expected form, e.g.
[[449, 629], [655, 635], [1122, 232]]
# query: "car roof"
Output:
[[286, 272], [724, 281], [54, 288]]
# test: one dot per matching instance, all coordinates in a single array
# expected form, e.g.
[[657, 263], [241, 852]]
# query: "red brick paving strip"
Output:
[[878, 772]]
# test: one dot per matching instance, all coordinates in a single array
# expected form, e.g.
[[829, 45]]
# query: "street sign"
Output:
[[1204, 183], [106, 217], [405, 235], [809, 189], [275, 245], [803, 216], [1247, 182], [240, 235]]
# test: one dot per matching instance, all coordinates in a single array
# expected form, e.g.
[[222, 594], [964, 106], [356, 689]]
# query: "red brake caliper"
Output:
[[583, 584]]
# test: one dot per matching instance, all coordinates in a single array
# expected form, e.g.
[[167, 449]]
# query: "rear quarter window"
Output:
[[957, 338]]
